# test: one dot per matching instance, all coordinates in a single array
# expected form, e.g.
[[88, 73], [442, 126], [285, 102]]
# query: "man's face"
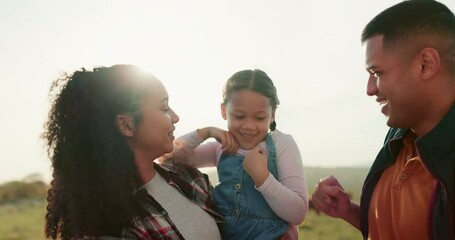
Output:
[[393, 79]]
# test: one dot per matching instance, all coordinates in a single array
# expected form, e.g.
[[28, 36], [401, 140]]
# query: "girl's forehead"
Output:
[[246, 95], [248, 99]]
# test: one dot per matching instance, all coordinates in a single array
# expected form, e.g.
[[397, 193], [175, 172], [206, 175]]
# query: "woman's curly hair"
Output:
[[94, 175]]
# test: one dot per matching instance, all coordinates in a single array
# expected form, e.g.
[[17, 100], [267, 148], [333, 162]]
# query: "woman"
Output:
[[105, 129]]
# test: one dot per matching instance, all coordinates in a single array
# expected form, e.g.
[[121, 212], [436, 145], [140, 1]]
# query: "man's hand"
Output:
[[330, 198]]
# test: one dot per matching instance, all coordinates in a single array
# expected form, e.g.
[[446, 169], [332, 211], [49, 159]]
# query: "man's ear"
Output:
[[125, 125], [223, 110], [430, 62]]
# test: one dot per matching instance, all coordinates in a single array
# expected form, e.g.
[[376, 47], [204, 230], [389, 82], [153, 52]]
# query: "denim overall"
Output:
[[247, 214]]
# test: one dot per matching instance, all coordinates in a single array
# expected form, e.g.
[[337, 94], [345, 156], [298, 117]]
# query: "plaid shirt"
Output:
[[191, 183]]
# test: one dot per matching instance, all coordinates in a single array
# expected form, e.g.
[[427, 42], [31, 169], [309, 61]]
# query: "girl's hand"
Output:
[[179, 146], [255, 164], [225, 138]]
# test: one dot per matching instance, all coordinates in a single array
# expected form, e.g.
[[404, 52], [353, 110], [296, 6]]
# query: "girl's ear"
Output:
[[125, 125], [223, 111]]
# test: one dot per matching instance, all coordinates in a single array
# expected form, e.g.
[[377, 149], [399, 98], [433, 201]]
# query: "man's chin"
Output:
[[393, 123]]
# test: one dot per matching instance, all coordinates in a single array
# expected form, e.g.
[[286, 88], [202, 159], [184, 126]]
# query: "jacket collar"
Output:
[[437, 148], [435, 144], [441, 139]]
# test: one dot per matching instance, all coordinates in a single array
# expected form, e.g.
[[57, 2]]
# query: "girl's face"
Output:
[[154, 135], [248, 115]]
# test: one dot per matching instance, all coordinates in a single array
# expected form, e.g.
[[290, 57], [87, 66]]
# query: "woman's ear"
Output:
[[125, 125], [223, 110]]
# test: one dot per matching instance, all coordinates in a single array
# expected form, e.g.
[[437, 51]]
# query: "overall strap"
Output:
[[271, 160]]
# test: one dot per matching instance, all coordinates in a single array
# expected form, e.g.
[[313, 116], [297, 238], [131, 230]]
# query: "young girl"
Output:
[[262, 189]]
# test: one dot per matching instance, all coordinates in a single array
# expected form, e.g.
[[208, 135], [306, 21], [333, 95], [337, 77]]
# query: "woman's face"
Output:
[[154, 135]]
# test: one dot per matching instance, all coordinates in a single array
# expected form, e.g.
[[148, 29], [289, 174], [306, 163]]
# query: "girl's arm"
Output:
[[287, 196], [190, 148]]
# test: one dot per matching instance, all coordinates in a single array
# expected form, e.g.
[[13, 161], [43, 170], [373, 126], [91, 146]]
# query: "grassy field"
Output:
[[22, 220], [25, 219]]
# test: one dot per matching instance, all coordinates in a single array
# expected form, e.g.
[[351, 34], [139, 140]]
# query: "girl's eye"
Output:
[[239, 117], [260, 118]]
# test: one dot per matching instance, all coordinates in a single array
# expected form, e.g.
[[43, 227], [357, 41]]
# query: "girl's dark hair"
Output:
[[94, 175], [255, 80]]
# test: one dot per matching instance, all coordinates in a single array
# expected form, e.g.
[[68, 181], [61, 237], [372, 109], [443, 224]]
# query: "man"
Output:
[[409, 191]]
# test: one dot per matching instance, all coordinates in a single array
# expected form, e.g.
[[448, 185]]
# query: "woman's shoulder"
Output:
[[180, 168], [184, 174]]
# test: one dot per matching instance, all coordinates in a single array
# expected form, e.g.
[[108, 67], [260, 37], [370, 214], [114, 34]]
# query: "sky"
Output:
[[310, 49]]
